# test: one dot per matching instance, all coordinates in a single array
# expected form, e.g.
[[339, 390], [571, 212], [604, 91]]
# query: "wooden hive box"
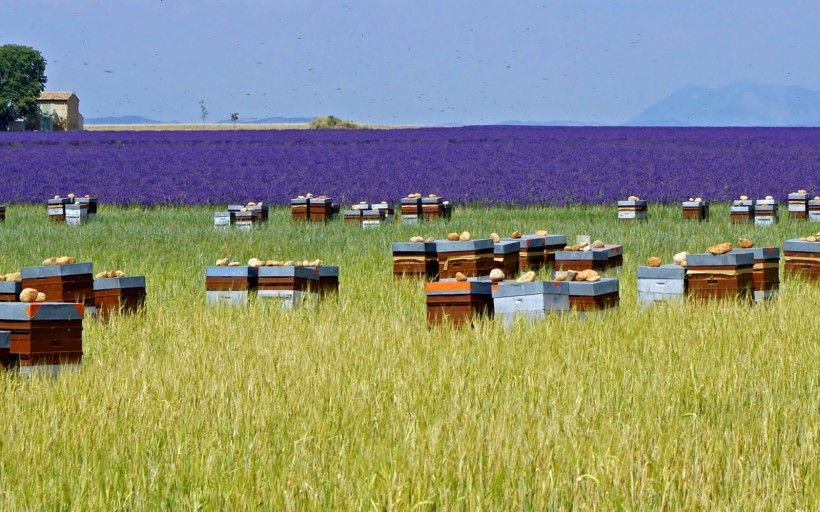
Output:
[[506, 256], [814, 210], [91, 205], [76, 214], [586, 297], [229, 285], [696, 210], [292, 286], [553, 244], [802, 258], [222, 220], [387, 208], [300, 209], [260, 211], [10, 291], [73, 282], [742, 211], [632, 210], [415, 259], [372, 218], [765, 272], [798, 205], [660, 284], [2, 212], [473, 258], [56, 209], [353, 217], [766, 212], [530, 252], [43, 334], [5, 349], [321, 209], [721, 276], [531, 300], [410, 210], [459, 302], [244, 220], [328, 280], [115, 295], [432, 208], [604, 258]]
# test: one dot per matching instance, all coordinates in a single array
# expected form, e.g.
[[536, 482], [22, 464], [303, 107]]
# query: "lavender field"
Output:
[[478, 165]]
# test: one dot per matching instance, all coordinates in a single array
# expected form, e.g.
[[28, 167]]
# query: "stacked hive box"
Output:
[[432, 208], [45, 336], [76, 214], [416, 259], [372, 218], [91, 206], [244, 220], [766, 212], [5, 346], [531, 252], [696, 210], [506, 256], [814, 210], [72, 282], [300, 208], [798, 205], [292, 286], [632, 210], [386, 209], [10, 291], [659, 284], [473, 258], [588, 297], [742, 211], [721, 276], [321, 209], [56, 208], [802, 258], [459, 302], [766, 271], [531, 300], [599, 259], [410, 210], [114, 295], [229, 285], [260, 211], [353, 216]]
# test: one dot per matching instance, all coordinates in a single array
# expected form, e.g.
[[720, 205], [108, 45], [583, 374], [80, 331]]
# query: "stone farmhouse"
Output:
[[62, 108]]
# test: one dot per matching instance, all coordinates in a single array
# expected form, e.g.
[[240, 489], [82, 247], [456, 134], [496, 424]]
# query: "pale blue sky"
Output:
[[409, 61]]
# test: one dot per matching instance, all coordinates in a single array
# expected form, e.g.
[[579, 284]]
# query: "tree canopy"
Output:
[[22, 79]]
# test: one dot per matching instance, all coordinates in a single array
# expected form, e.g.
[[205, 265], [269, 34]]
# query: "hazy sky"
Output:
[[409, 61]]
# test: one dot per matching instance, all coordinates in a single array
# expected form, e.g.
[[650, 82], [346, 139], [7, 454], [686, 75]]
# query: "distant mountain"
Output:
[[516, 122], [737, 104], [120, 120]]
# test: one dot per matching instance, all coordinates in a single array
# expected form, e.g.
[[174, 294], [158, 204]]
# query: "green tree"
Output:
[[203, 112], [235, 118], [22, 79]]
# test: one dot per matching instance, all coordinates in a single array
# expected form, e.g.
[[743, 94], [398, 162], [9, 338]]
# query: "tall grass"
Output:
[[355, 403]]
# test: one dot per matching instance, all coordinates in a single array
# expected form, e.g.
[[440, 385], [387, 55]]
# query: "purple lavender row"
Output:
[[486, 165]]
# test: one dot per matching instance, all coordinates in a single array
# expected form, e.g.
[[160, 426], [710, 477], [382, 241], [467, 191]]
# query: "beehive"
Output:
[[506, 256], [432, 208], [300, 209], [415, 259], [10, 291], [229, 285], [696, 210], [802, 258], [553, 244], [260, 211], [56, 209], [765, 272], [604, 258], [588, 297], [473, 258], [531, 252], [386, 208], [43, 336], [244, 220], [291, 286], [721, 276], [633, 210], [2, 212], [222, 220], [91, 205], [459, 302], [814, 210], [742, 211], [117, 295], [660, 284], [62, 283], [327, 278], [76, 214], [766, 212], [410, 210], [798, 205], [372, 218], [321, 209], [531, 300], [353, 217]]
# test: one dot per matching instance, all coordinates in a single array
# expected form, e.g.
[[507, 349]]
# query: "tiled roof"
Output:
[[55, 95]]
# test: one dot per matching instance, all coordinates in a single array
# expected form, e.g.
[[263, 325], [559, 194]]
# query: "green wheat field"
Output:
[[355, 403]]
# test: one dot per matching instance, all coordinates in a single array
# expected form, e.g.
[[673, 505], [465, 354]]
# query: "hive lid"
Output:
[[115, 283], [325, 271], [762, 253], [640, 202], [322, 200], [515, 289], [506, 247], [669, 271], [743, 202], [731, 258], [292, 271], [459, 288], [602, 287], [595, 255], [694, 204], [414, 247], [38, 311], [299, 200], [444, 246], [553, 240], [10, 286], [71, 269], [794, 196], [797, 245], [58, 202], [226, 271]]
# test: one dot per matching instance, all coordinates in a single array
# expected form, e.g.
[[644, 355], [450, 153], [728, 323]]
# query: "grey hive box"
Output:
[[633, 210], [531, 300], [660, 284], [766, 212], [814, 210], [76, 214], [291, 286]]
